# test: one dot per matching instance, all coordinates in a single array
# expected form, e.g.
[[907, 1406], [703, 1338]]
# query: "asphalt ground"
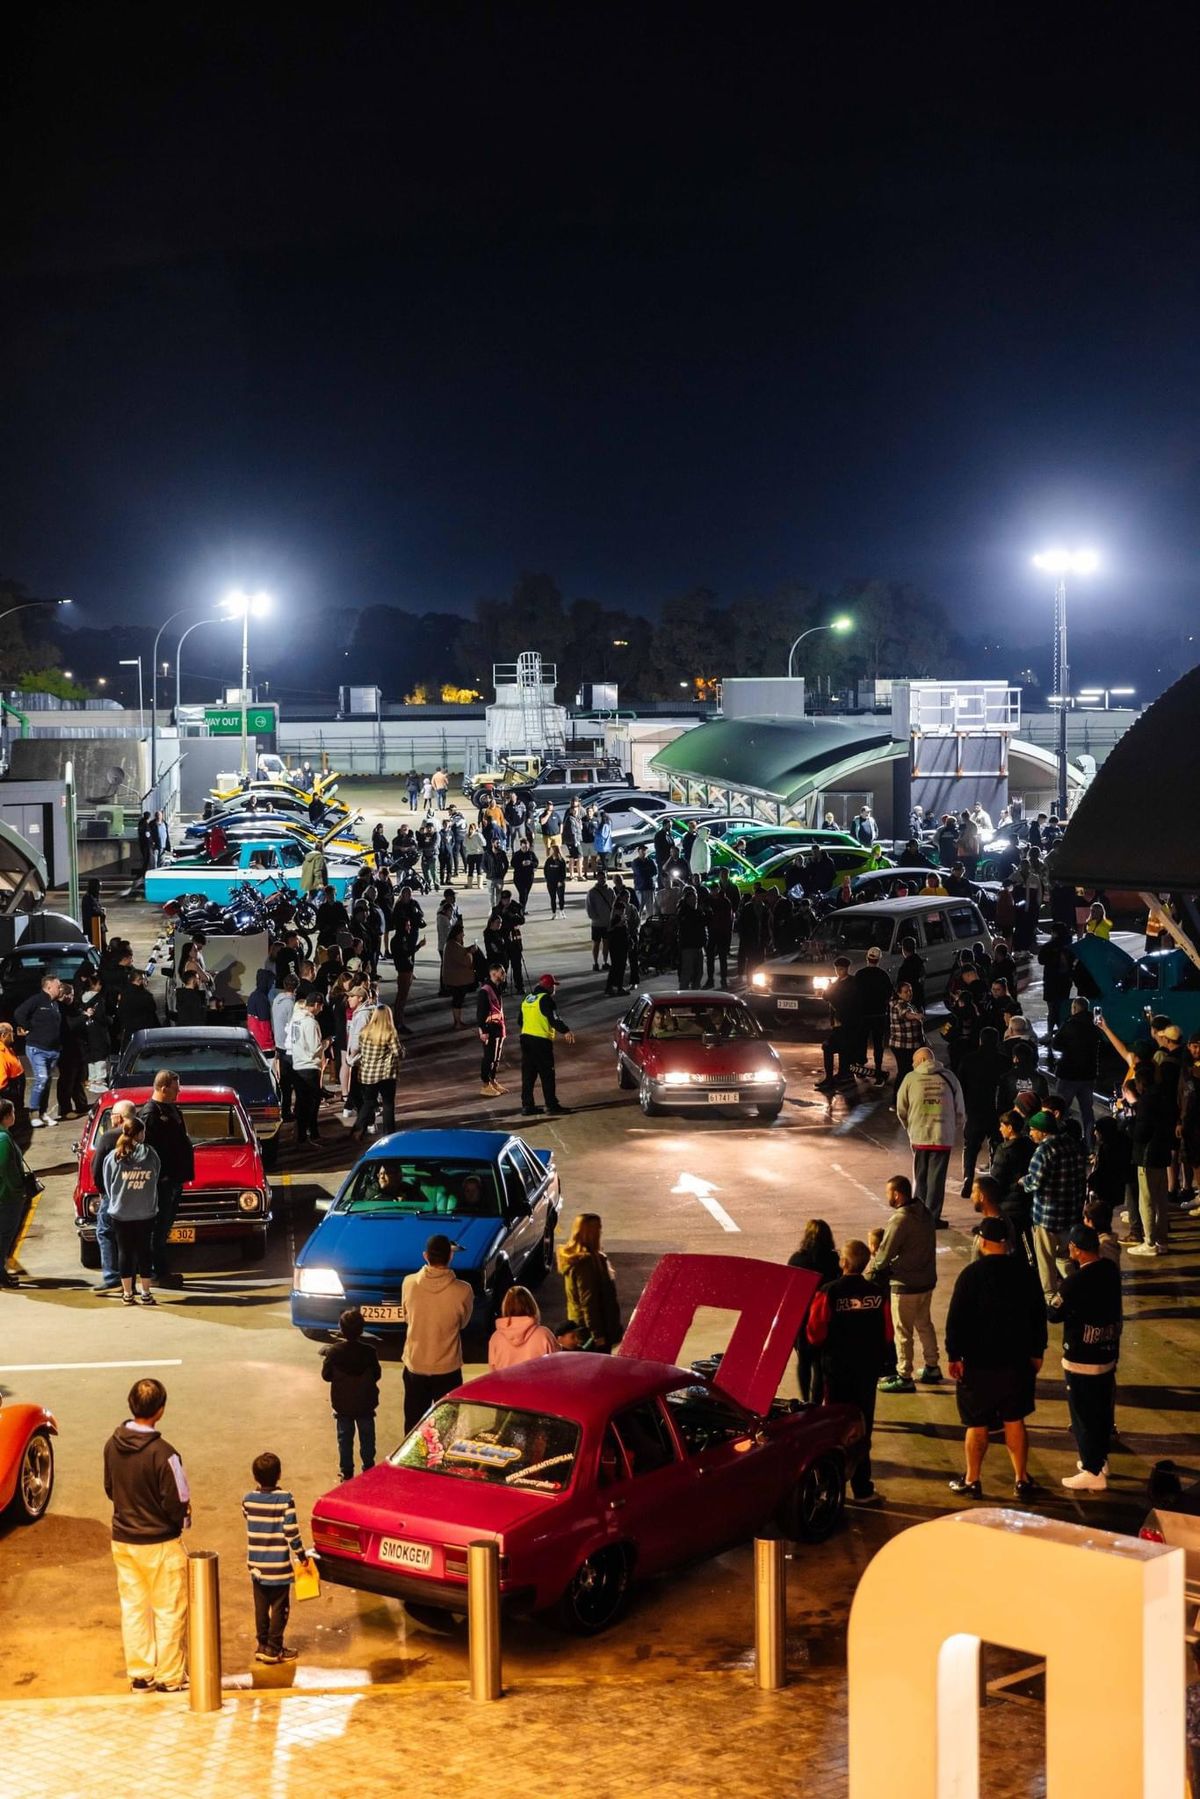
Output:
[[241, 1379]]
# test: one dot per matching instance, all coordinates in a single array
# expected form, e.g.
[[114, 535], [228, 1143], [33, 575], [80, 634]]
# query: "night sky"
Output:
[[386, 304]]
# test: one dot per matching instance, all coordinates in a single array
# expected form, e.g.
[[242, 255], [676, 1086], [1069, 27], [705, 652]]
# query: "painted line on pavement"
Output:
[[703, 1191], [838, 1169], [718, 1211], [56, 1367]]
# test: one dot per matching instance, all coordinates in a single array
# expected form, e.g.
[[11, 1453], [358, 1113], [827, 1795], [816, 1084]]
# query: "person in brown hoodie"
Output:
[[437, 1308]]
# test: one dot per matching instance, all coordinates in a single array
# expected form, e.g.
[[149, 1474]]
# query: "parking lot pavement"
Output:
[[241, 1379]]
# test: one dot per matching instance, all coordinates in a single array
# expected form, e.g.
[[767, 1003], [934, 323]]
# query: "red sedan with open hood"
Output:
[[588, 1470], [697, 1049]]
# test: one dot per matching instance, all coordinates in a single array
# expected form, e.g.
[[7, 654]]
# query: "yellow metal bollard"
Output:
[[483, 1619], [770, 1614], [204, 1631]]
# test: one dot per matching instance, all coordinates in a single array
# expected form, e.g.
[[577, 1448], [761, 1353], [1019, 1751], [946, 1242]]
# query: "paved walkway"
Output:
[[710, 1734]]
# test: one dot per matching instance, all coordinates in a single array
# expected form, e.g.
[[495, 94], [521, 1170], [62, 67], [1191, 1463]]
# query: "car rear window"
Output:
[[192, 1061], [65, 964], [407, 1185], [677, 1024], [498, 1445], [206, 1125]]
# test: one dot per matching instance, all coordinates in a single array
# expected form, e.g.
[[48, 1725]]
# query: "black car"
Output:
[[24, 968], [208, 1056]]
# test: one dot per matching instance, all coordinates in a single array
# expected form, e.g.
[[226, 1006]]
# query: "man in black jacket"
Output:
[[1091, 1321], [1078, 1045], [845, 1039], [352, 1369], [875, 994], [40, 1018], [166, 1134], [849, 1322], [144, 1478], [995, 1342]]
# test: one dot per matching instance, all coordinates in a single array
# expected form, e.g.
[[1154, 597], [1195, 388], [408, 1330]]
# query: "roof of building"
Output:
[[777, 759], [1134, 826]]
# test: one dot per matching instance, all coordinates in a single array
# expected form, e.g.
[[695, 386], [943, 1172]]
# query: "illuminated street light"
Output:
[[241, 605], [835, 624], [136, 662], [1061, 563]]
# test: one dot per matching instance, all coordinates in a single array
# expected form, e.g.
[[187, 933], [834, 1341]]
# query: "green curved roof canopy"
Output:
[[783, 760]]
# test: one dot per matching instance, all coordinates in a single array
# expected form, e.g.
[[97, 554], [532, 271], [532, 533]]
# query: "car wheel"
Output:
[[35, 1479], [270, 1153], [89, 1252], [646, 1099], [624, 1079], [770, 1113], [596, 1594], [816, 1502], [255, 1247]]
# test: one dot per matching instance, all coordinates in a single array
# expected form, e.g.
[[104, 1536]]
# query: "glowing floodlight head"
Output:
[[1067, 562]]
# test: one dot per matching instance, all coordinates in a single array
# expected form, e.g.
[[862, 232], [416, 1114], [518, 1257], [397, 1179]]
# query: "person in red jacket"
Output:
[[851, 1324]]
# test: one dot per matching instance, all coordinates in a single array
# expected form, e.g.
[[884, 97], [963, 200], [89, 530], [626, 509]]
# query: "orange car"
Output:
[[26, 1461]]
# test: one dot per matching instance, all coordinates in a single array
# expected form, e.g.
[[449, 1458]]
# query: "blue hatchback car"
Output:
[[491, 1194]]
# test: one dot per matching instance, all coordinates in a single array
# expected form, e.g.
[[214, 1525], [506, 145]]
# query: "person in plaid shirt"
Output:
[[1056, 1185], [906, 1030]]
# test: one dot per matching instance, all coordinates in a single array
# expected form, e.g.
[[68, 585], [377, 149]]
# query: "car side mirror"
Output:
[[521, 1208]]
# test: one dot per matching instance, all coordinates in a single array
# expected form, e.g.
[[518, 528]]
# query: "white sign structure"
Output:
[[1084, 1600]]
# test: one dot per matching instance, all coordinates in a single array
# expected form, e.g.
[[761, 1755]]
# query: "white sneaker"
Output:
[[1143, 1249], [348, 1112], [36, 1123], [1103, 1470], [51, 1118], [1083, 1482]]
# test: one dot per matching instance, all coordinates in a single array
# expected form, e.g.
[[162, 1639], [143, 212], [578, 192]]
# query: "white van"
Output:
[[796, 984]]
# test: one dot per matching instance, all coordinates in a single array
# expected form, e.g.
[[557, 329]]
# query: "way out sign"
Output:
[[226, 721], [1082, 1599]]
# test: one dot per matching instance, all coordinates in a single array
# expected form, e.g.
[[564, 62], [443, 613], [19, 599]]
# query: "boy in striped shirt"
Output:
[[273, 1538]]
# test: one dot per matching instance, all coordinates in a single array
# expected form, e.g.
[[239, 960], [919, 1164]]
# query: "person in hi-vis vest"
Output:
[[540, 1025]]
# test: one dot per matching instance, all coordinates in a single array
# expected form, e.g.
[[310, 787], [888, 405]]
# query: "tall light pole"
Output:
[[25, 604], [217, 618], [169, 620], [1062, 563], [835, 624], [136, 662], [241, 605]]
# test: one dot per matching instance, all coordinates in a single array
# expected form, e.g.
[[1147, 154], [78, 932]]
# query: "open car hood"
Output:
[[770, 1301], [1112, 968]]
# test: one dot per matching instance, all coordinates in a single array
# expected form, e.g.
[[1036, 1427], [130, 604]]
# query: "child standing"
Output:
[[273, 1538], [352, 1369]]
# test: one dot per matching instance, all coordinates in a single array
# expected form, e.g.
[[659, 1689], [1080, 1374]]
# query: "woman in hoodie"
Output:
[[258, 1010], [130, 1182], [520, 1335], [700, 857], [590, 1283]]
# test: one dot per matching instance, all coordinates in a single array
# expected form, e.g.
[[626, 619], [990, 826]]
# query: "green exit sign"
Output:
[[226, 721]]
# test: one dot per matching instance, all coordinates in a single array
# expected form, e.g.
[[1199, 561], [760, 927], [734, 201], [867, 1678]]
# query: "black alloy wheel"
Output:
[[596, 1594]]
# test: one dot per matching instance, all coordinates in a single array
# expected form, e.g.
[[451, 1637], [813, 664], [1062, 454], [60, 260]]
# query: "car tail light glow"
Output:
[[329, 1533], [1151, 1536]]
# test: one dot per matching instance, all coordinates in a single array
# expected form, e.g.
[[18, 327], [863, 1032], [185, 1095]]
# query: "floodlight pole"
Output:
[[1062, 686]]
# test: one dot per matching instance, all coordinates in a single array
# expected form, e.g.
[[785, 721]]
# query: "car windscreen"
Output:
[[207, 1126], [457, 1187], [33, 965], [679, 1023], [197, 1064], [860, 933], [496, 1444]]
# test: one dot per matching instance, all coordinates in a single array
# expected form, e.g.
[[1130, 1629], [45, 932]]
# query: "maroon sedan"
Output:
[[589, 1470], [697, 1049]]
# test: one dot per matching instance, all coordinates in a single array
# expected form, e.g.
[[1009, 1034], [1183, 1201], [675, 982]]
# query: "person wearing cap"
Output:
[[844, 1039], [540, 1025], [995, 1343], [1091, 1321], [875, 996], [437, 1309], [1056, 1185], [930, 1107]]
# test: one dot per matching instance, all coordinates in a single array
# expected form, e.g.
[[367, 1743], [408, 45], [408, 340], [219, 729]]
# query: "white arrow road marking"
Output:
[[703, 1191], [838, 1169]]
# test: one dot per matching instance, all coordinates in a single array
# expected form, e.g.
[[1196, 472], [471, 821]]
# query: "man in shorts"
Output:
[[995, 1342]]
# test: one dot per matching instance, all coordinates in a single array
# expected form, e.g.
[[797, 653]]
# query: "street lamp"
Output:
[[835, 624], [241, 605], [25, 604], [136, 662], [1061, 563], [217, 618]]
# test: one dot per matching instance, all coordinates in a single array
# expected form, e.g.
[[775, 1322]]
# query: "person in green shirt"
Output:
[[12, 1191]]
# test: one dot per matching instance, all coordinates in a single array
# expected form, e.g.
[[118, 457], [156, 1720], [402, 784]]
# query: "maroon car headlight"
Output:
[[675, 1077]]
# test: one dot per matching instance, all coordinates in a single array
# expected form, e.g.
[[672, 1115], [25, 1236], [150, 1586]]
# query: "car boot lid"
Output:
[[770, 1302]]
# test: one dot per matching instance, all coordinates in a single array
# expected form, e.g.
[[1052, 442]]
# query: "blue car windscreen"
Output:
[[406, 1186]]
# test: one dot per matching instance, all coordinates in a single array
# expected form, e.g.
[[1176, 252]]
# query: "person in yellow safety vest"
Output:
[[540, 1025]]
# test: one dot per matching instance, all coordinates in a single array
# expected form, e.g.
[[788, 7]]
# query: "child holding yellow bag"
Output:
[[273, 1539]]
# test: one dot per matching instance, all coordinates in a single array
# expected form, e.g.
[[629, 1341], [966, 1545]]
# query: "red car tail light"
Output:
[[454, 1561], [1151, 1536], [329, 1533]]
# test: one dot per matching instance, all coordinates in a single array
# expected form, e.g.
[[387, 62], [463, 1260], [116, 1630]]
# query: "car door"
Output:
[[939, 951], [642, 1500], [523, 1231], [733, 1466], [539, 1185], [630, 1033]]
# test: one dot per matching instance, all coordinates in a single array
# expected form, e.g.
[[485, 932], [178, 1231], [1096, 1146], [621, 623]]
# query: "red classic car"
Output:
[[697, 1049], [229, 1197], [26, 1461], [589, 1469]]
